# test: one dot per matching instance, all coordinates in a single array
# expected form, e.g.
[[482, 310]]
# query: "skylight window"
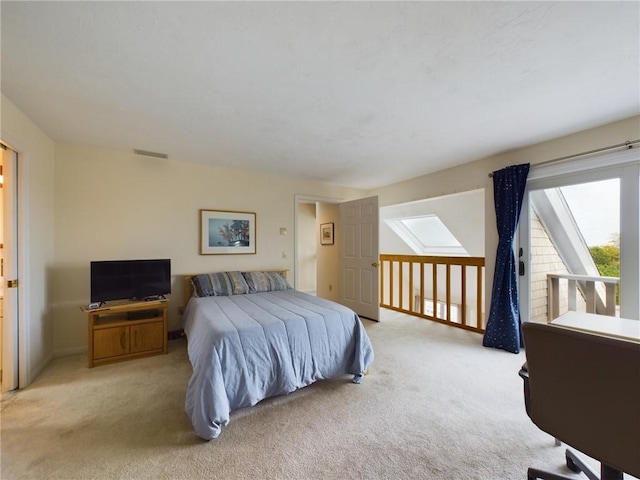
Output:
[[427, 235]]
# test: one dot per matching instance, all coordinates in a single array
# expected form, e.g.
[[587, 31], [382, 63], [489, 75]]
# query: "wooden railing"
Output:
[[410, 284], [587, 286]]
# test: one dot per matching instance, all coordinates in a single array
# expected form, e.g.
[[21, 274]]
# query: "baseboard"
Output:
[[70, 351]]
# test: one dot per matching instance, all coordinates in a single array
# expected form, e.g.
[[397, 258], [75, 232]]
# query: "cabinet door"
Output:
[[110, 342], [147, 336]]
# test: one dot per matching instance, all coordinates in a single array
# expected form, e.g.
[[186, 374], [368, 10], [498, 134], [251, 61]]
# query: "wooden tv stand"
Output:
[[124, 330]]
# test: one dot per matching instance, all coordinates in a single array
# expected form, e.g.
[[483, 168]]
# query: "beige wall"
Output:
[[307, 244], [83, 203], [113, 205], [474, 175], [35, 229]]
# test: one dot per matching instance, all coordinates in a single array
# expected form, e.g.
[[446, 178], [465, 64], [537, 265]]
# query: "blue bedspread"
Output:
[[245, 348]]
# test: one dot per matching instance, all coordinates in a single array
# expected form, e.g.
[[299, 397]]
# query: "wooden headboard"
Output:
[[188, 289]]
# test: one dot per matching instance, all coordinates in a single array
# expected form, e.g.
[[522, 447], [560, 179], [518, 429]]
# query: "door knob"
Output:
[[374, 264]]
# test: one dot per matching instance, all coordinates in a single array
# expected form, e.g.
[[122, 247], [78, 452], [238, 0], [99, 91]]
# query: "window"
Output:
[[427, 235]]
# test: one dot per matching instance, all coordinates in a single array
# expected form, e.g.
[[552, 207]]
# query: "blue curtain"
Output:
[[503, 326]]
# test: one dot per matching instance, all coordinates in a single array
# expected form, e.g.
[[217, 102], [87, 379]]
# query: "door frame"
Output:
[[624, 165], [21, 223], [299, 199]]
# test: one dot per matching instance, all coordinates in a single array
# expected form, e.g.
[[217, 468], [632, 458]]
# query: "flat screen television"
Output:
[[130, 279]]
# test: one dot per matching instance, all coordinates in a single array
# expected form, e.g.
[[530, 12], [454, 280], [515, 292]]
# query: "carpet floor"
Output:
[[436, 405]]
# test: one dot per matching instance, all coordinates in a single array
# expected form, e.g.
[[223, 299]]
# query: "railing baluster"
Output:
[[572, 291], [421, 288], [590, 296], [463, 289], [391, 282], [391, 285], [600, 302], [434, 289], [553, 298], [411, 286], [448, 292], [400, 284], [610, 307], [479, 293]]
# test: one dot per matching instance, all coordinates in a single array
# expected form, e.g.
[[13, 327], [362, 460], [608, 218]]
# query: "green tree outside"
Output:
[[607, 259]]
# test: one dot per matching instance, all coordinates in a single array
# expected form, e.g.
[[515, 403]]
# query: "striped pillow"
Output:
[[258, 281], [240, 285], [277, 281], [219, 284], [266, 281]]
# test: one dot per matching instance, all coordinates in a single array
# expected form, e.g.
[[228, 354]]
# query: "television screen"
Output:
[[130, 279]]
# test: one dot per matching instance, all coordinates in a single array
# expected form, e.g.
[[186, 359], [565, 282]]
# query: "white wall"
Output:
[[474, 175], [35, 230], [116, 205], [461, 213]]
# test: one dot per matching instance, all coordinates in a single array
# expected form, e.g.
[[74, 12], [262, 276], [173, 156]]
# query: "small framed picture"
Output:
[[225, 233], [326, 234]]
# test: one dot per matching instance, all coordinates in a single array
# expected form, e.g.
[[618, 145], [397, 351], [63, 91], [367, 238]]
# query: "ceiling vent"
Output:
[[150, 154]]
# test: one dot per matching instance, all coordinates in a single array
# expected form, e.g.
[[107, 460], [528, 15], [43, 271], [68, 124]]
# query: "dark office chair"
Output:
[[584, 389]]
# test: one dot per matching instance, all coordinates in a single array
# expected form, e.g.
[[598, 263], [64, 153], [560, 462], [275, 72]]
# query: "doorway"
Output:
[[315, 264], [331, 280]]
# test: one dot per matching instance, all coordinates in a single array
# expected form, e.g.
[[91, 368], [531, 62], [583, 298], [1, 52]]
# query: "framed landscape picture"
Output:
[[326, 234], [226, 233]]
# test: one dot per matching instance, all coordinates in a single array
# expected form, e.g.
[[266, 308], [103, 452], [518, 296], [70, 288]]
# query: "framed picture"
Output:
[[326, 234], [224, 233]]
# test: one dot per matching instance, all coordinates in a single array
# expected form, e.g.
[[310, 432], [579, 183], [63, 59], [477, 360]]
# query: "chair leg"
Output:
[[608, 473], [576, 464], [534, 474]]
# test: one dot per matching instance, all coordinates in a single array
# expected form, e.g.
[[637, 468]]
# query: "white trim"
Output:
[[582, 164], [629, 242], [24, 310]]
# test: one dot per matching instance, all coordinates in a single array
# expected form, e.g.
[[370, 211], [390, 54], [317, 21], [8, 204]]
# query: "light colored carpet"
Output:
[[436, 405]]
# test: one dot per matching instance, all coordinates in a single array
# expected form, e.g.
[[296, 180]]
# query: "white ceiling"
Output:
[[352, 93]]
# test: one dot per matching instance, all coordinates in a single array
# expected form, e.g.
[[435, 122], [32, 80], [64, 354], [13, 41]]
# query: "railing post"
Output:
[[572, 286], [590, 296], [553, 298], [381, 286], [610, 307]]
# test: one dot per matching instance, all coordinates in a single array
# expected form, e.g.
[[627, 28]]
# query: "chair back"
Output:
[[584, 390]]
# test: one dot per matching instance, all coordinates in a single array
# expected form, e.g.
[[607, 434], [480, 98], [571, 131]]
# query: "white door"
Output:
[[9, 352], [359, 278]]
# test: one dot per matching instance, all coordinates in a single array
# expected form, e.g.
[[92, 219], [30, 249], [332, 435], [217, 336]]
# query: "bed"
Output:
[[251, 336]]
